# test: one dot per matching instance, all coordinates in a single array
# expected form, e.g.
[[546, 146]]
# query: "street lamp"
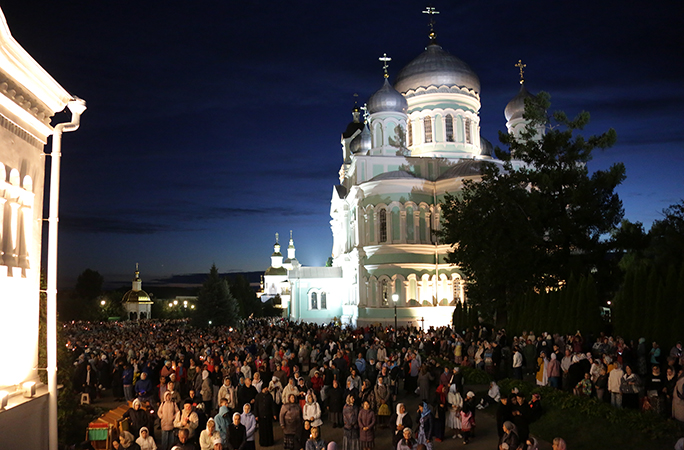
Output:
[[395, 299], [103, 303]]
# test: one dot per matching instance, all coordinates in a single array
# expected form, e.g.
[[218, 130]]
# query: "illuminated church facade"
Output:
[[412, 143]]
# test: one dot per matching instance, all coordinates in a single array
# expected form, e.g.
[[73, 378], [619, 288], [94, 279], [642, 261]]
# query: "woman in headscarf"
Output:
[[467, 422], [367, 426], [406, 442], [335, 402], [138, 417], [127, 441], [315, 442], [207, 391], [455, 402], [367, 394], [237, 434], [424, 425], [312, 411], [382, 400], [400, 421], [290, 421], [275, 388], [510, 439], [351, 390], [145, 441], [350, 414], [209, 437], [167, 413], [542, 373], [247, 419]]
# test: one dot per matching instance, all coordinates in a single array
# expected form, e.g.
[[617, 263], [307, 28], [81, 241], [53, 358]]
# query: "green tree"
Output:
[[215, 303], [248, 303], [544, 215]]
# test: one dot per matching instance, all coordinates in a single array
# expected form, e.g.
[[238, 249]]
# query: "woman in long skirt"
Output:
[[455, 404], [291, 422], [424, 426], [350, 414], [367, 426]]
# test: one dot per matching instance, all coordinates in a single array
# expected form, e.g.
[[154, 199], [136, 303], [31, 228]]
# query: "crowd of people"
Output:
[[221, 388]]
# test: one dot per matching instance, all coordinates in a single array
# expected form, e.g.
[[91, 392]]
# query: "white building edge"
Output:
[[29, 97], [417, 141]]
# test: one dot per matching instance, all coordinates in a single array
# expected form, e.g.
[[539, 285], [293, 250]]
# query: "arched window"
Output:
[[409, 132], [468, 136], [449, 127], [324, 301], [385, 293], [427, 123], [382, 219], [457, 290], [314, 301]]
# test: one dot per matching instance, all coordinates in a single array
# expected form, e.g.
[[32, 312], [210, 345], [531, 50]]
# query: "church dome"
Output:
[[136, 297], [387, 99], [362, 142], [516, 107], [436, 67]]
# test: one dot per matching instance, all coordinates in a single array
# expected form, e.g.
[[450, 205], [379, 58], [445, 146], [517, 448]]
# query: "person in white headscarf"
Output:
[[399, 421], [207, 391], [145, 441], [210, 437], [454, 416]]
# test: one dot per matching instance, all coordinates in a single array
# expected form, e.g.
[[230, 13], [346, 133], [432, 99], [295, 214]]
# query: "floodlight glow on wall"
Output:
[[29, 389], [4, 398]]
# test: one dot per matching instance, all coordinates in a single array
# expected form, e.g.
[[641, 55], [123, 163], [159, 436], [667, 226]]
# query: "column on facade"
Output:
[[402, 226], [23, 234], [358, 229], [376, 227], [428, 227], [416, 226], [2, 228]]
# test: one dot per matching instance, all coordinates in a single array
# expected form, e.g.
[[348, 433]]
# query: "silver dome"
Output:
[[387, 99], [516, 107], [362, 142], [436, 67]]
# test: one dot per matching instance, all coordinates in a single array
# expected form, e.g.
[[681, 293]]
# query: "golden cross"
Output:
[[521, 66], [431, 11], [385, 59]]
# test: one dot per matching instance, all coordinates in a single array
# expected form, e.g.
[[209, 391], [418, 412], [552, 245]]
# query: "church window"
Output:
[[427, 122], [449, 126], [457, 289], [409, 133], [324, 301], [385, 293], [382, 219], [314, 301], [468, 136]]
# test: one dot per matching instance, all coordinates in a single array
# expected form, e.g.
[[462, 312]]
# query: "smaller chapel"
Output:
[[136, 302]]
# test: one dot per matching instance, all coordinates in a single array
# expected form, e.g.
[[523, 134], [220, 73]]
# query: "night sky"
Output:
[[211, 125]]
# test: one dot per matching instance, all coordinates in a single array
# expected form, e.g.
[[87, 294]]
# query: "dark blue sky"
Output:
[[212, 125]]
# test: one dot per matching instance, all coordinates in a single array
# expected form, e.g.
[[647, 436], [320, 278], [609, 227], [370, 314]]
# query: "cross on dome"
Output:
[[366, 114], [431, 11], [385, 59], [521, 66]]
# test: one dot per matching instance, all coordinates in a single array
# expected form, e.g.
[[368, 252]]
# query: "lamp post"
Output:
[[395, 299]]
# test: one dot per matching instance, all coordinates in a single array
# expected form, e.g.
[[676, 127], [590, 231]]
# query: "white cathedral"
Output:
[[416, 141]]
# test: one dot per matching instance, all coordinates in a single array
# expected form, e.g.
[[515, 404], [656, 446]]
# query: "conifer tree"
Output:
[[215, 303]]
